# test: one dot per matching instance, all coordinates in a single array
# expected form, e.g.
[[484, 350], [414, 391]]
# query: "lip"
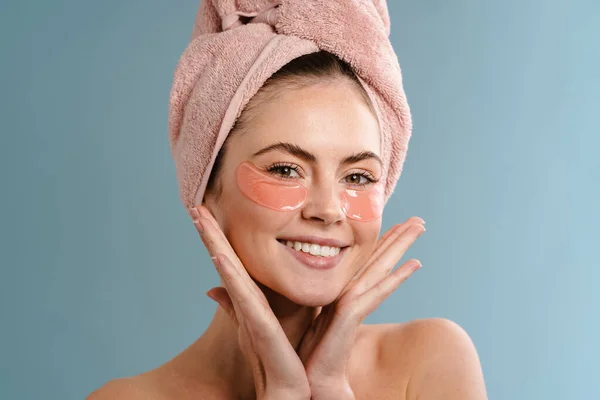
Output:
[[316, 240], [315, 262]]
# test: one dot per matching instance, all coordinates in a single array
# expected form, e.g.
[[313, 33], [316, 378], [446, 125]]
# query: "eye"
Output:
[[355, 179], [285, 171]]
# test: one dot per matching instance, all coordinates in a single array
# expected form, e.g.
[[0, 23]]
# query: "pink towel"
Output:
[[231, 55]]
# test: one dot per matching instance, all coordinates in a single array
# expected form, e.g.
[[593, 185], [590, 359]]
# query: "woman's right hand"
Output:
[[277, 370]]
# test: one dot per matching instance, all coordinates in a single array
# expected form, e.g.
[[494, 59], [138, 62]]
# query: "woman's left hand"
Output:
[[326, 346]]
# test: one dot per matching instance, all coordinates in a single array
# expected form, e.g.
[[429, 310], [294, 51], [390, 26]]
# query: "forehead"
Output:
[[330, 120]]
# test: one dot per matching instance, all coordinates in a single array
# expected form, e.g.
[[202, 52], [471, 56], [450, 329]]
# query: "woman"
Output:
[[290, 327], [291, 214]]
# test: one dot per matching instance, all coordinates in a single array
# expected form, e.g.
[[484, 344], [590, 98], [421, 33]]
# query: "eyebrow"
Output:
[[299, 152]]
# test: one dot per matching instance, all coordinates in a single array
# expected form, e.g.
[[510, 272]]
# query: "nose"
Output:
[[323, 203]]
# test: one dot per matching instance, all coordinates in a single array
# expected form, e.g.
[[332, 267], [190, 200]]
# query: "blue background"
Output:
[[103, 275]]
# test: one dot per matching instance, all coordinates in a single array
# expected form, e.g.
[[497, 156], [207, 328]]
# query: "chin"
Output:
[[296, 282], [312, 295]]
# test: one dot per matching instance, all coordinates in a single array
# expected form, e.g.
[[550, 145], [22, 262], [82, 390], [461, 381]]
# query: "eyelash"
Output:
[[366, 175]]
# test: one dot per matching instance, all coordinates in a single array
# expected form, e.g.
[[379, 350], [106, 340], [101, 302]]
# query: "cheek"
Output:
[[251, 231], [366, 235], [252, 212]]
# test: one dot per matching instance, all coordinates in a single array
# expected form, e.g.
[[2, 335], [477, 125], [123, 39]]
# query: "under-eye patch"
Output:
[[288, 195], [269, 191], [363, 205]]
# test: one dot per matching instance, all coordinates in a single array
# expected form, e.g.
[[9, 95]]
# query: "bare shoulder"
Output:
[[373, 372], [161, 383], [132, 388], [419, 334], [440, 355]]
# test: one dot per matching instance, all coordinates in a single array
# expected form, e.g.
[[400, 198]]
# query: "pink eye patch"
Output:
[[288, 195]]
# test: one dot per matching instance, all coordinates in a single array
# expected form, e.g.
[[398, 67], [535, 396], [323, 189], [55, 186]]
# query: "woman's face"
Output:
[[330, 122]]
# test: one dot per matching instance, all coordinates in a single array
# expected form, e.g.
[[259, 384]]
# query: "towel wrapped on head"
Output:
[[236, 45]]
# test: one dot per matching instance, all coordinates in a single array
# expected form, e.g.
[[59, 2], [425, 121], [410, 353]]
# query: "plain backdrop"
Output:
[[102, 274]]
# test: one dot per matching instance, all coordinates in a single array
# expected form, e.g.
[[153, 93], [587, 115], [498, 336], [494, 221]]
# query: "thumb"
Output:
[[221, 297]]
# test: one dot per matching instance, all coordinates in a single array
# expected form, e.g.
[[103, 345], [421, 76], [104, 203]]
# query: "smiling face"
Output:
[[324, 141]]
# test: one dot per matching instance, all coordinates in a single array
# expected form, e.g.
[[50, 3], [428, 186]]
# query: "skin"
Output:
[[351, 359]]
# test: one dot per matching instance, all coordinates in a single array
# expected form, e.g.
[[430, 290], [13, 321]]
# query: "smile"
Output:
[[312, 255], [312, 248]]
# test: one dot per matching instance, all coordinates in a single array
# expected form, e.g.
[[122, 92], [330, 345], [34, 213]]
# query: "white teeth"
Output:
[[314, 249]]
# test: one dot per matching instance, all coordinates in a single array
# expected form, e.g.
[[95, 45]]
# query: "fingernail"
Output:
[[197, 221], [194, 213]]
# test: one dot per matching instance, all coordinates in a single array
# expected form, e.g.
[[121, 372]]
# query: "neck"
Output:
[[216, 358]]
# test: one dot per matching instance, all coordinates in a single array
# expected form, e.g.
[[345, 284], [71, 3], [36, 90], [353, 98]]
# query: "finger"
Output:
[[316, 331], [334, 343], [382, 244], [248, 300], [216, 242], [239, 293], [247, 305], [338, 340], [385, 262], [259, 322], [392, 234], [211, 234], [220, 295], [372, 298], [385, 241]]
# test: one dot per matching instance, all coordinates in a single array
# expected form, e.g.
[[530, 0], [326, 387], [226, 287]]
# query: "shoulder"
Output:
[[162, 383], [131, 388], [426, 333], [441, 356]]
